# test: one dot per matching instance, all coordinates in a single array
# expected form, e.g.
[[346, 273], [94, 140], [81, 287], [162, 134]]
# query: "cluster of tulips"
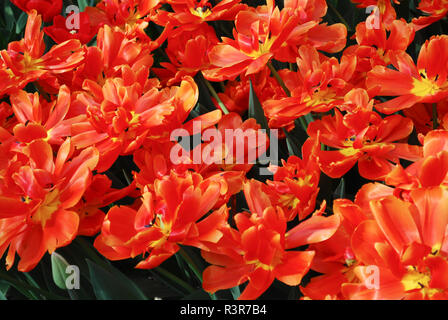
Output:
[[98, 93]]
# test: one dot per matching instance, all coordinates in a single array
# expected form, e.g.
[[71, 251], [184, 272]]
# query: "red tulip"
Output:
[[47, 8], [59, 31]]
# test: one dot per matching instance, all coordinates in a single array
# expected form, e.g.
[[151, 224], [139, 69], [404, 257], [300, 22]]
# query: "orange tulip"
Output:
[[47, 119], [172, 214], [318, 86], [189, 12], [384, 11], [426, 82], [25, 61], [334, 258], [370, 141], [120, 115], [257, 36], [295, 185], [407, 243], [375, 46], [430, 171], [99, 194], [268, 32], [127, 15], [36, 205], [434, 11], [188, 48], [258, 250], [116, 55], [154, 161], [236, 94]]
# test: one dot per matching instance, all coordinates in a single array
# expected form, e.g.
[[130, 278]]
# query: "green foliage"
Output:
[[111, 284]]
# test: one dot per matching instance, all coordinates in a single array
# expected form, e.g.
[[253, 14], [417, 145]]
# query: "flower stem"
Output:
[[303, 123], [279, 79], [175, 279], [435, 122], [193, 266], [282, 84], [339, 16], [215, 95], [26, 288]]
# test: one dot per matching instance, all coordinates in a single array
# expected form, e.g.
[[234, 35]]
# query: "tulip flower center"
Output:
[[263, 47], [47, 207], [201, 12], [263, 266], [29, 63], [289, 200], [275, 260], [350, 151], [415, 279], [319, 97], [424, 87], [164, 227]]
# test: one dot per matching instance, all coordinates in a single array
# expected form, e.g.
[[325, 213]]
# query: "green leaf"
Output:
[[58, 268], [26, 289], [171, 280], [21, 22], [9, 16], [205, 91], [32, 282], [4, 40], [77, 277], [236, 292], [292, 144], [256, 110], [339, 193], [199, 294], [111, 284], [82, 4], [4, 287], [308, 118]]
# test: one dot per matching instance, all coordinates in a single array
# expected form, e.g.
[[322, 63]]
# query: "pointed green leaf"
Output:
[[111, 284], [199, 294], [235, 291], [292, 144], [26, 289], [256, 110], [4, 287], [205, 95], [58, 267], [308, 118], [340, 190], [21, 22], [82, 4], [9, 16]]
